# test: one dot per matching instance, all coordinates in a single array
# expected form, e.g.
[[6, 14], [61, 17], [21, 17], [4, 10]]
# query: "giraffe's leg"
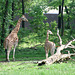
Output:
[[14, 50], [47, 53], [8, 53], [14, 54], [52, 51], [6, 44]]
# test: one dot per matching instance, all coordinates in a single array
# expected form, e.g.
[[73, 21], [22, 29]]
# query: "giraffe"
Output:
[[49, 45], [12, 39]]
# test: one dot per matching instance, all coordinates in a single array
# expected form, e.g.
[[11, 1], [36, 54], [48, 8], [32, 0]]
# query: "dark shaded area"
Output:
[[40, 64], [3, 23]]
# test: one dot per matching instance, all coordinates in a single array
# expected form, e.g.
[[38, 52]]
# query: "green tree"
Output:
[[71, 11], [61, 3], [12, 16], [38, 18], [68, 19], [3, 22]]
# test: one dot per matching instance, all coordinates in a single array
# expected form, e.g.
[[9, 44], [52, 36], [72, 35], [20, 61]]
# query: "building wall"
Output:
[[50, 18]]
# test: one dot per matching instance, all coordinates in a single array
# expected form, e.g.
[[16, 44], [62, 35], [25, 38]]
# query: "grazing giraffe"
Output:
[[12, 39], [49, 45]]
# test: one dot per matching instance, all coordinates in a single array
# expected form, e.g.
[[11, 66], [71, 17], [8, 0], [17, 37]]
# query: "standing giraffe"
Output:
[[12, 39], [49, 45]]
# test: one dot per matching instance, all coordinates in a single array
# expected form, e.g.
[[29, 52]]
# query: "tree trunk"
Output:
[[68, 25], [3, 23], [10, 27], [62, 24], [22, 13], [59, 18]]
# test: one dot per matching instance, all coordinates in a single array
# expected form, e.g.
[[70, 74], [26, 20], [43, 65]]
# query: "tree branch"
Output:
[[69, 44], [59, 37]]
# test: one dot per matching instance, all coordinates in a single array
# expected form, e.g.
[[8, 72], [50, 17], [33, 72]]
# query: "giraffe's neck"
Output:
[[47, 36], [16, 29]]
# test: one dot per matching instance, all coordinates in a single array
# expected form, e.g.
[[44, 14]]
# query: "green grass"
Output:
[[25, 57], [26, 54], [23, 68]]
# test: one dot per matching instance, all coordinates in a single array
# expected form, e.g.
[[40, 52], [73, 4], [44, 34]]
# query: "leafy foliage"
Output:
[[70, 15], [38, 18], [53, 25]]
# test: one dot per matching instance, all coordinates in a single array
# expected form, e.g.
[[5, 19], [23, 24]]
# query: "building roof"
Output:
[[52, 11]]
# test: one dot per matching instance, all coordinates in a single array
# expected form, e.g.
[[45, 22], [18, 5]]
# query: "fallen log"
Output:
[[55, 58], [58, 56]]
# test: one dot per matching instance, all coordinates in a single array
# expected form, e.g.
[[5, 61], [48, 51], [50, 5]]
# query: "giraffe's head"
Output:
[[24, 18], [49, 32]]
